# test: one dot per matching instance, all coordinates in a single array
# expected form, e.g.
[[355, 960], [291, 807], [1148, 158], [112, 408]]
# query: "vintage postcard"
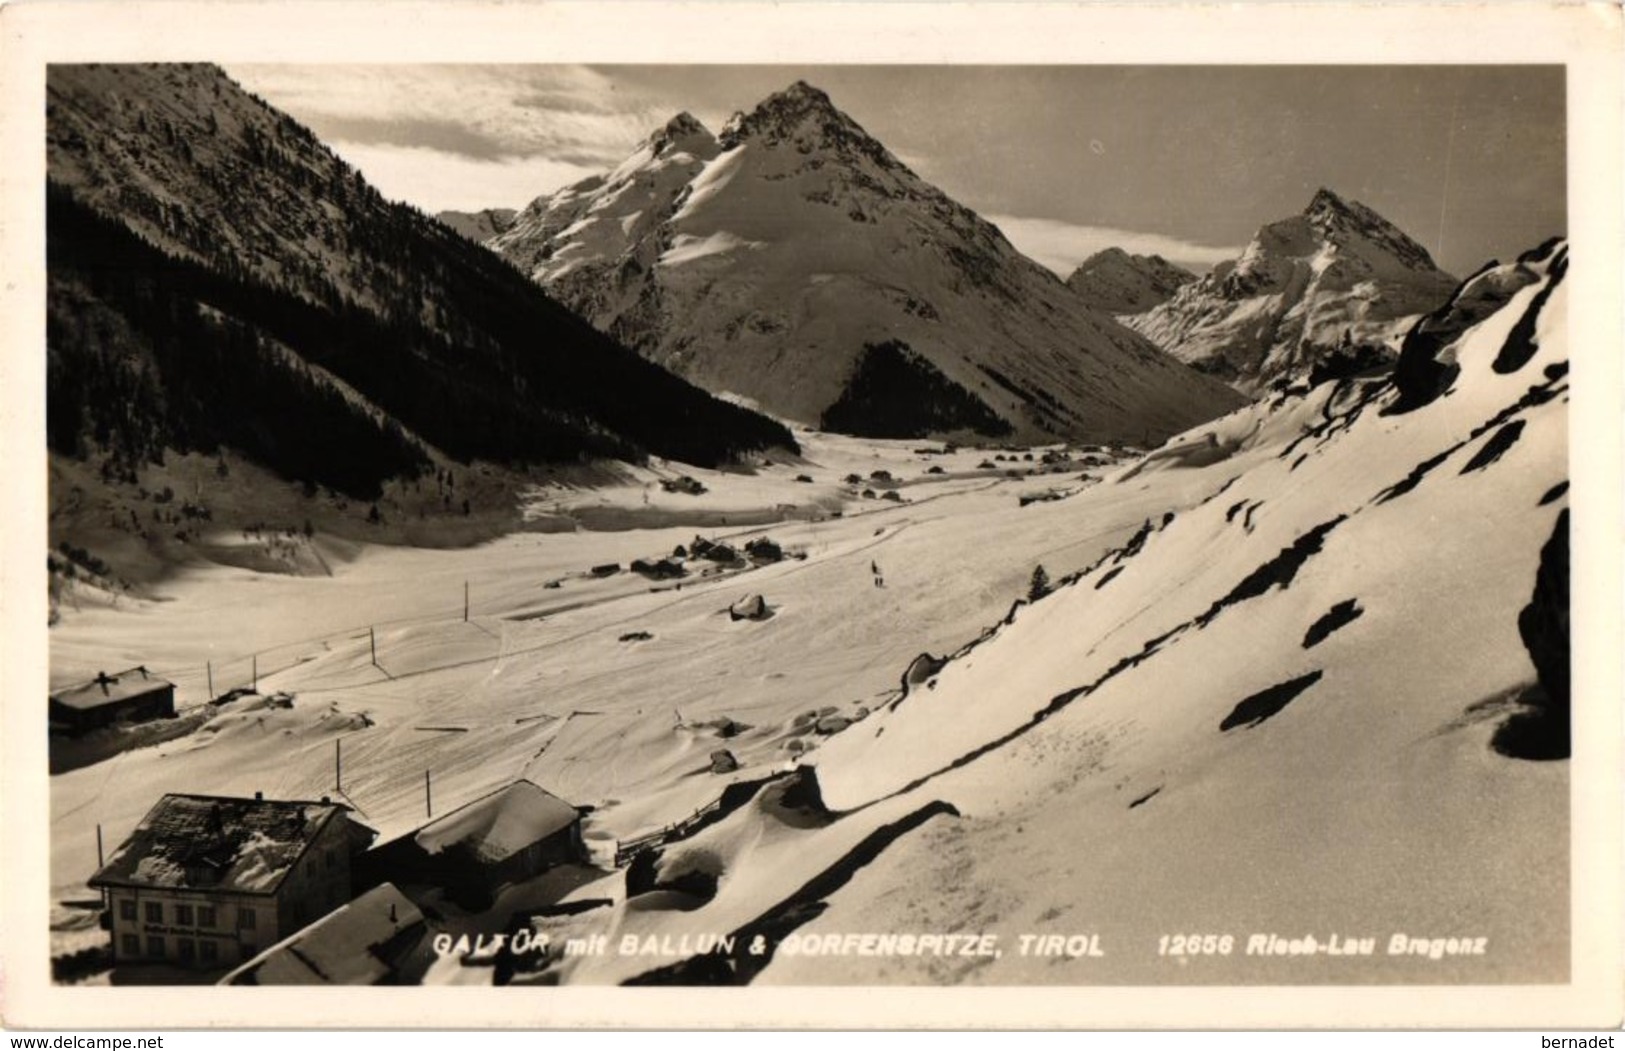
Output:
[[596, 514]]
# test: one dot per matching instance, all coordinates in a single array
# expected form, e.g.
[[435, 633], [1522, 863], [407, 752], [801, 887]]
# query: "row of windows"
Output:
[[185, 915], [187, 950]]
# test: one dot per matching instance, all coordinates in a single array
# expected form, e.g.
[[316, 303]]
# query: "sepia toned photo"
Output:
[[783, 524]]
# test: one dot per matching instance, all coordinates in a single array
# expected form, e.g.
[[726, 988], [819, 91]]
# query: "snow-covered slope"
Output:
[[1289, 708], [1117, 282], [764, 261], [1337, 279]]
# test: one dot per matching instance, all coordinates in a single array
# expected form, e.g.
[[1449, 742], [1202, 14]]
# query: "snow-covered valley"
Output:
[[1258, 700]]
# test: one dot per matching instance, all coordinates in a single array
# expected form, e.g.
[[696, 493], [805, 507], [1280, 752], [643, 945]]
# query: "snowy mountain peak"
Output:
[[479, 226], [1115, 256], [795, 103], [803, 115], [1337, 220], [683, 132], [1119, 282], [685, 123], [1336, 279], [1106, 256], [1326, 201], [799, 264]]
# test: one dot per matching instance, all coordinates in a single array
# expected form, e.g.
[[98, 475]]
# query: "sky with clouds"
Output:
[[1186, 162]]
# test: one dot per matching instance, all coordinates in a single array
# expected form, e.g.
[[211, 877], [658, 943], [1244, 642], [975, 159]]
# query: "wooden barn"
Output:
[[209, 881], [510, 835], [130, 696]]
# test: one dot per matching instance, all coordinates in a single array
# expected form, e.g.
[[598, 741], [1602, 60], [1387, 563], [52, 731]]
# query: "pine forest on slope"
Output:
[[199, 237]]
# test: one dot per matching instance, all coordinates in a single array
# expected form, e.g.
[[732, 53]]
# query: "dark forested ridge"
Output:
[[896, 393], [205, 252], [148, 352]]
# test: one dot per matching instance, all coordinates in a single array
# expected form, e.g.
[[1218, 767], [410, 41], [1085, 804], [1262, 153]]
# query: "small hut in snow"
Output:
[[130, 695], [510, 835]]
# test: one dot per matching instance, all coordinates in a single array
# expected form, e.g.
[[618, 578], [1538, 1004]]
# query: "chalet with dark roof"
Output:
[[130, 696], [210, 881]]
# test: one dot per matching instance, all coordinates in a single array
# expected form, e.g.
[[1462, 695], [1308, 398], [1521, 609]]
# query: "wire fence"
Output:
[[201, 684]]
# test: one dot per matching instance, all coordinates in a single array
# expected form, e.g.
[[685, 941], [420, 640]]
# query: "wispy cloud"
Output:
[[1061, 246], [435, 180], [467, 123]]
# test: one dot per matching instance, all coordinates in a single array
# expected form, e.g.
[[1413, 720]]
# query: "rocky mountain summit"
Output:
[[1336, 279]]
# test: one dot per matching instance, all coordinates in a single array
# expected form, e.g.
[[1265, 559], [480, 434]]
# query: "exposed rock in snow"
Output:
[[751, 607], [1337, 280], [831, 724], [1542, 730], [765, 260], [1424, 370]]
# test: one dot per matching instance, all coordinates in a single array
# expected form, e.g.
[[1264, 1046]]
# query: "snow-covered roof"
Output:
[[219, 843], [356, 944], [499, 825], [108, 689]]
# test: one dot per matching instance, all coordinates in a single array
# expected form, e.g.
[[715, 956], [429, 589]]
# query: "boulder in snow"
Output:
[[831, 724], [751, 607]]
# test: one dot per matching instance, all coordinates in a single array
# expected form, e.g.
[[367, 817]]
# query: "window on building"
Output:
[[155, 946], [126, 909], [186, 949], [209, 951], [155, 912], [205, 916], [245, 919], [129, 946], [183, 915]]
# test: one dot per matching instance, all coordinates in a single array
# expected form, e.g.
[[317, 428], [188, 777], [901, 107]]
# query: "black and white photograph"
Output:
[[737, 520]]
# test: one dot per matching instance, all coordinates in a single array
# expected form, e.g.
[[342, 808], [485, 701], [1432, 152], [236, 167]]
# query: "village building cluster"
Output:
[[270, 891]]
